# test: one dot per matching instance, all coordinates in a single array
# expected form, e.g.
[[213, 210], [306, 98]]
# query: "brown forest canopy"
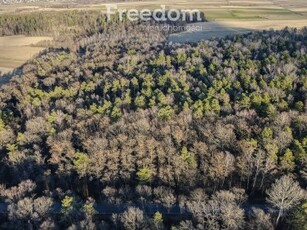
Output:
[[130, 119]]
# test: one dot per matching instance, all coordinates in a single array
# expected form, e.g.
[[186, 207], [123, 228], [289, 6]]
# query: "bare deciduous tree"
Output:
[[284, 194], [133, 218], [221, 211], [259, 220]]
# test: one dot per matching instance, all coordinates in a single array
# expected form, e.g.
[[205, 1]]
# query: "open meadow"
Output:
[[16, 50], [218, 29]]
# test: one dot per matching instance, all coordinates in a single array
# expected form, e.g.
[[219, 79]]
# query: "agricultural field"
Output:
[[214, 10], [218, 29], [16, 50]]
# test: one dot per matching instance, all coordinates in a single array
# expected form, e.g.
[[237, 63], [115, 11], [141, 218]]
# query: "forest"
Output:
[[52, 23], [70, 24], [130, 131]]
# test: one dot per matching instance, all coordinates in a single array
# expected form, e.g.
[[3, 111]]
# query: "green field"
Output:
[[214, 10]]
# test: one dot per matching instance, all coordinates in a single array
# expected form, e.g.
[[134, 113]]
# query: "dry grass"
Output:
[[210, 30], [16, 50], [21, 40], [215, 10]]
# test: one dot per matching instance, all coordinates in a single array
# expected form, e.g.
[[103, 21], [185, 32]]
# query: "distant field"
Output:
[[214, 10], [16, 50], [209, 30]]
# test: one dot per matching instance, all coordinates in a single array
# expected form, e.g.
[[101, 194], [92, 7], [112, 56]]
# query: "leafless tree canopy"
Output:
[[114, 127]]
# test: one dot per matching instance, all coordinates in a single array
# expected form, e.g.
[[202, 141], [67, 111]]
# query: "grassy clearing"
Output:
[[16, 50], [21, 40], [223, 28]]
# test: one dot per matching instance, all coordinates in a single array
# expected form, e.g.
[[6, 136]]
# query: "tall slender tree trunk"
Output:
[[278, 217]]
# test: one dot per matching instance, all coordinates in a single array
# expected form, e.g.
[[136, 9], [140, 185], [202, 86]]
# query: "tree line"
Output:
[[52, 23]]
